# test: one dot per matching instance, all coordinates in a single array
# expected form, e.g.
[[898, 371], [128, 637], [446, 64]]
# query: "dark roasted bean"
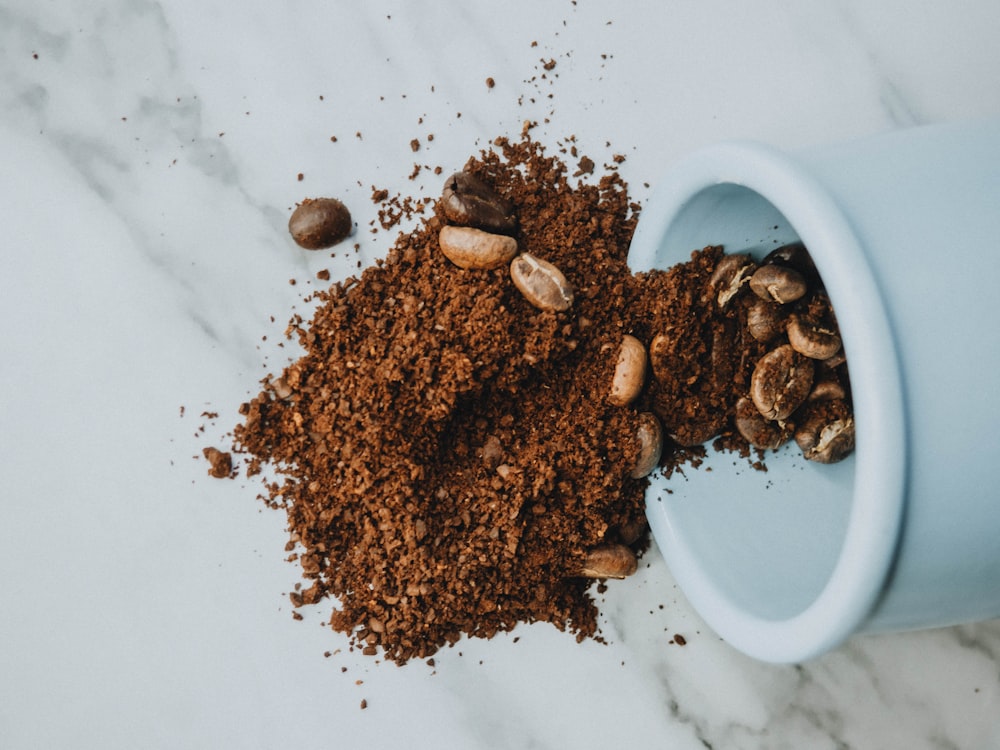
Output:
[[317, 223], [730, 276], [781, 381], [780, 284], [757, 430], [826, 432], [766, 320], [468, 201]]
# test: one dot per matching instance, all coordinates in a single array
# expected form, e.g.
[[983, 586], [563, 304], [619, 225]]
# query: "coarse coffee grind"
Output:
[[463, 445]]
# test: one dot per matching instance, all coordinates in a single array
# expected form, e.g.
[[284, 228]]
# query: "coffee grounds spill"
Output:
[[445, 452]]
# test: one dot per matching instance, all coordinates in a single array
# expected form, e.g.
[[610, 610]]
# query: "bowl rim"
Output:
[[876, 515]]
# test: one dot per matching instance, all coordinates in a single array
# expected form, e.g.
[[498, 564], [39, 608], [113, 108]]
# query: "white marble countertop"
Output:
[[150, 159]]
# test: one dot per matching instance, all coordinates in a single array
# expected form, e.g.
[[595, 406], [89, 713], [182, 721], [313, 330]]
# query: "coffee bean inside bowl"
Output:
[[317, 223], [756, 360]]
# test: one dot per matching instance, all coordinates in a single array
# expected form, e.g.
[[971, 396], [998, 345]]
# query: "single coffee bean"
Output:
[[828, 388], [795, 255], [826, 433], [780, 383], [541, 283], [760, 432], [630, 371], [811, 338], [317, 223], [630, 533], [468, 247], [650, 436], [468, 201], [730, 276], [609, 561], [766, 320], [777, 283]]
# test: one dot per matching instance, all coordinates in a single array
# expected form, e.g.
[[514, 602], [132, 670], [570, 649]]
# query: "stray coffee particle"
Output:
[[220, 463]]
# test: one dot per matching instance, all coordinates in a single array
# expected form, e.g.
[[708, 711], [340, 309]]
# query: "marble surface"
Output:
[[151, 153]]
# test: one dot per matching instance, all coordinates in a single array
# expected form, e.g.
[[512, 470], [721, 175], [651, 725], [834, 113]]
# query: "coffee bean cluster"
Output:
[[799, 389], [480, 235]]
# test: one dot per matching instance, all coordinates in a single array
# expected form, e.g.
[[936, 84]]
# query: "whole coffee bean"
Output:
[[780, 383], [778, 283], [609, 561], [317, 223], [828, 388], [766, 320], [468, 247], [826, 433], [729, 277], [795, 255], [468, 201], [632, 532], [813, 339], [760, 432], [630, 371], [541, 283], [650, 435]]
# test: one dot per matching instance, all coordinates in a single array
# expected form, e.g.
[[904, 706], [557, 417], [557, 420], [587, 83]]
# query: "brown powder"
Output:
[[445, 452]]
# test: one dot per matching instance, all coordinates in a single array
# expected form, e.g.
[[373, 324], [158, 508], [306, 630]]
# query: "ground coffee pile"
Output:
[[445, 452]]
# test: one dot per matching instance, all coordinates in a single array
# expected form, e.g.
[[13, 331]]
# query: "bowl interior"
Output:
[[783, 563], [768, 540]]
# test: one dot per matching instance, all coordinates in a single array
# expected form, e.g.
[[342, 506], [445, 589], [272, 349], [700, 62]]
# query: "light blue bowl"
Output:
[[905, 231]]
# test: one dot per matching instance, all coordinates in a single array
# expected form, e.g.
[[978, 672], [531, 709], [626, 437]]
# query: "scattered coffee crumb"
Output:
[[364, 704], [300, 176], [679, 639], [415, 144], [585, 166], [490, 83], [220, 463]]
